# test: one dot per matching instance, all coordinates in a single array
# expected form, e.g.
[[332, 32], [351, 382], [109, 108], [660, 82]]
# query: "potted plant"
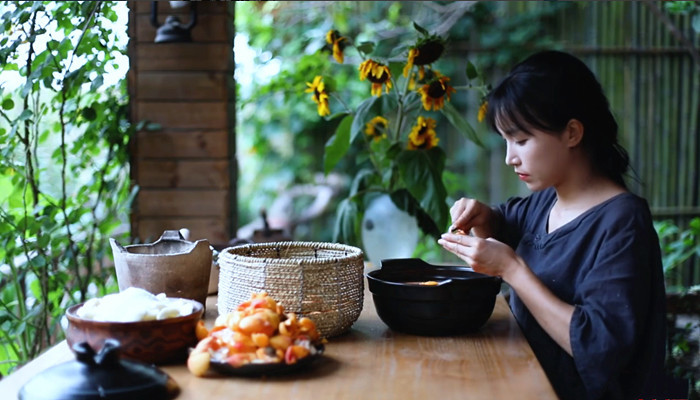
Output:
[[395, 128]]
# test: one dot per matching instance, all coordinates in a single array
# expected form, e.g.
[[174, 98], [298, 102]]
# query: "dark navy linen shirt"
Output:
[[607, 263]]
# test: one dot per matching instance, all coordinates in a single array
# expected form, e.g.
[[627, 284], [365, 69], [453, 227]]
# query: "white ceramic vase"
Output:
[[387, 231]]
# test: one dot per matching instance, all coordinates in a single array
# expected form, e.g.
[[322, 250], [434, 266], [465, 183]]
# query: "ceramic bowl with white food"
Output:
[[149, 328]]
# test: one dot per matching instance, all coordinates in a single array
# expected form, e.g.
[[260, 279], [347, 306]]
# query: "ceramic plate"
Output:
[[260, 369]]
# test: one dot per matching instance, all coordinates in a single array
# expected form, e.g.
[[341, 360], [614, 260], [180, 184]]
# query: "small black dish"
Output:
[[461, 301], [266, 369]]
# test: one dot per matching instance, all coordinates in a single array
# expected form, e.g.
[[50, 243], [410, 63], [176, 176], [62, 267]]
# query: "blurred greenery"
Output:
[[678, 245]]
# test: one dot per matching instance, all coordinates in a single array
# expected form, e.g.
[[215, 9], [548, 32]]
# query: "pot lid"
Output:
[[100, 375]]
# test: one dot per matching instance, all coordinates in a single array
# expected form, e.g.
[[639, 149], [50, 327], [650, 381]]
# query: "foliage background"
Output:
[[281, 138], [643, 63]]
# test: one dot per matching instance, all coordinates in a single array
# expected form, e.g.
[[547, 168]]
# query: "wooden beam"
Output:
[[183, 174], [182, 144], [187, 86], [184, 115], [182, 203], [183, 56]]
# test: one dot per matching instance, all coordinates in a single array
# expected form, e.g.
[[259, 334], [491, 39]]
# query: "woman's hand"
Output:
[[487, 256], [472, 215], [491, 257]]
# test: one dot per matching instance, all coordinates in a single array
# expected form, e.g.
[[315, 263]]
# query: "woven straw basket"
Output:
[[322, 281]]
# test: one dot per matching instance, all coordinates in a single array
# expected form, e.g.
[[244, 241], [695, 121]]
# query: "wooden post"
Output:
[[185, 171]]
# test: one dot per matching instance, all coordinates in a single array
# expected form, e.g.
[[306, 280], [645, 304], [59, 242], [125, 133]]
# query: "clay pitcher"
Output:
[[170, 265]]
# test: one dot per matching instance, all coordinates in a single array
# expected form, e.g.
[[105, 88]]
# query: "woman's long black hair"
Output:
[[545, 92]]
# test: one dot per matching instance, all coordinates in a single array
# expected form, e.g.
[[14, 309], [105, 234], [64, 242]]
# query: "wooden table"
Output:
[[372, 362]]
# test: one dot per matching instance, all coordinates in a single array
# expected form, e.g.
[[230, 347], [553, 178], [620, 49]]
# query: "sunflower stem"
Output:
[[400, 96], [340, 100]]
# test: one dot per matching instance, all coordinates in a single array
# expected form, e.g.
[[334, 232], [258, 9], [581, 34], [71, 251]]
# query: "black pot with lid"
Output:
[[101, 375]]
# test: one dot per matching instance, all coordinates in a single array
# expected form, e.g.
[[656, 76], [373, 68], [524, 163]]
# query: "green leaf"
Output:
[[366, 47], [362, 116], [39, 261], [420, 29], [403, 199], [679, 7], [460, 123], [96, 83], [347, 222], [8, 104], [471, 71], [25, 115], [89, 113], [421, 171], [338, 144], [35, 288], [363, 179]]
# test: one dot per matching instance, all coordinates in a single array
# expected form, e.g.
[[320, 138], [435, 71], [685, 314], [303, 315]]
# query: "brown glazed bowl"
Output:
[[164, 341]]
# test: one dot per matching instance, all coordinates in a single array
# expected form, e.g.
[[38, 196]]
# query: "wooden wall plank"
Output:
[[209, 28], [183, 174], [182, 56], [182, 202], [181, 115], [212, 229], [164, 8], [183, 170], [182, 85], [182, 144]]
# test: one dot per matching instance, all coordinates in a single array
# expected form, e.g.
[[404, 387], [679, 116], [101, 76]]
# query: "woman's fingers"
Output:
[[462, 213], [480, 254], [459, 244], [455, 247], [468, 214]]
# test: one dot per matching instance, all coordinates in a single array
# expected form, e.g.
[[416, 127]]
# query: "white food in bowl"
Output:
[[134, 304]]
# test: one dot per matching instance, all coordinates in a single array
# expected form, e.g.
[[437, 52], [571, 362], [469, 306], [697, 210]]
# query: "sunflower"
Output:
[[433, 94], [482, 111], [425, 52], [429, 50], [412, 54], [412, 82], [423, 135], [319, 95], [376, 128], [338, 42], [376, 73]]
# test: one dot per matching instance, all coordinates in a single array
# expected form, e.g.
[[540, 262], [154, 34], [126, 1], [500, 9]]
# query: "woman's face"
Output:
[[540, 159]]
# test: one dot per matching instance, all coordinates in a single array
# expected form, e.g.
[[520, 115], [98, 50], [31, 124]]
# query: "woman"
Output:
[[580, 254]]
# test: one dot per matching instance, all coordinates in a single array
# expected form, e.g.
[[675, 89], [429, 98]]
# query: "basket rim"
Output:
[[239, 252]]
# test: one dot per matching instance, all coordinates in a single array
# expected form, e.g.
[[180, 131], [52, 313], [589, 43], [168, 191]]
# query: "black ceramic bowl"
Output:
[[461, 301]]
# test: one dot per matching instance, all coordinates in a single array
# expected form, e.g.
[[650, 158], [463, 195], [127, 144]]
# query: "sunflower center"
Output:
[[429, 52], [436, 90], [374, 79]]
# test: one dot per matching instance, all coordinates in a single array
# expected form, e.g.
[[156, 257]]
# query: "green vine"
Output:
[[64, 179]]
